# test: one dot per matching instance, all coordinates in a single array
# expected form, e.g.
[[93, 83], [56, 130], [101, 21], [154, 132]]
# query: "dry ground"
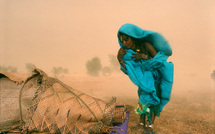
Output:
[[188, 112]]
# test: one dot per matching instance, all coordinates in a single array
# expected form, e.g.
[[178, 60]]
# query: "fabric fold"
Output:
[[154, 77]]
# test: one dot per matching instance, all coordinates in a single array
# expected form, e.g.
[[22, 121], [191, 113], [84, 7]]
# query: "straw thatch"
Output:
[[52, 106]]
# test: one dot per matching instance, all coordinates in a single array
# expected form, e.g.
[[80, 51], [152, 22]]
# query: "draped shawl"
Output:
[[147, 73]]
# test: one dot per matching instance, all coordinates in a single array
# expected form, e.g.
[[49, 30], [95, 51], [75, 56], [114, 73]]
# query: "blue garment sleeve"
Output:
[[123, 70]]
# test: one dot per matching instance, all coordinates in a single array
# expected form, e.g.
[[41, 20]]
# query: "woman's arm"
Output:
[[120, 54], [151, 52], [150, 49]]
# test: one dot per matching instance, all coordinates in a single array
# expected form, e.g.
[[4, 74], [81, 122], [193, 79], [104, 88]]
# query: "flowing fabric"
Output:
[[146, 74]]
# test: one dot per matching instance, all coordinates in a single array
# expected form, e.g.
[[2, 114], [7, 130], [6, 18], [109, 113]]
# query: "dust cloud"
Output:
[[69, 33], [61, 33]]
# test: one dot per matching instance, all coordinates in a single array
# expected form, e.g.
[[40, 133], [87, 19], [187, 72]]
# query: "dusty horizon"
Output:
[[69, 33], [62, 33]]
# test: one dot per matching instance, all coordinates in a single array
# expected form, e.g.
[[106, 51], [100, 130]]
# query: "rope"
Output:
[[20, 100], [110, 129], [78, 98], [65, 86]]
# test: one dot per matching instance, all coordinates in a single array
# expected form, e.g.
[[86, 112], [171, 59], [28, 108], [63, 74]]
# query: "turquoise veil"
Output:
[[148, 73]]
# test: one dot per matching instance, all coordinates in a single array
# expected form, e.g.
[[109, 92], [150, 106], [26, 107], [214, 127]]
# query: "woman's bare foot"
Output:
[[149, 130]]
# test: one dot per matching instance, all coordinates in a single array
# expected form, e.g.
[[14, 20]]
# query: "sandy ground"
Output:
[[188, 112]]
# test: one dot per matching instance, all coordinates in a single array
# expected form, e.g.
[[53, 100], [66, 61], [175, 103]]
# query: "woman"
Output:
[[142, 56]]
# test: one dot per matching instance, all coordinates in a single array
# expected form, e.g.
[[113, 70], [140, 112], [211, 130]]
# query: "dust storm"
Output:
[[69, 33]]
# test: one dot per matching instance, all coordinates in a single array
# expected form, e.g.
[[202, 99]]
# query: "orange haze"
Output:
[[65, 33]]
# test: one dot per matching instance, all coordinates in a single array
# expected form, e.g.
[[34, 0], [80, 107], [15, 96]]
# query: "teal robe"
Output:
[[153, 75]]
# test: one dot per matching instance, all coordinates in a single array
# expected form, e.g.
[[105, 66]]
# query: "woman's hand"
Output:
[[139, 56], [121, 53]]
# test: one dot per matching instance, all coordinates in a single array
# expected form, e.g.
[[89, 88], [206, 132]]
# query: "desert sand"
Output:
[[69, 33], [189, 111]]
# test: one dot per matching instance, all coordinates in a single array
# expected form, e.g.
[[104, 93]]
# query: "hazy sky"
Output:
[[67, 33]]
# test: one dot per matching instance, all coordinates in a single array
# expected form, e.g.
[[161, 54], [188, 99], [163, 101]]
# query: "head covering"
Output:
[[145, 73], [156, 39]]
